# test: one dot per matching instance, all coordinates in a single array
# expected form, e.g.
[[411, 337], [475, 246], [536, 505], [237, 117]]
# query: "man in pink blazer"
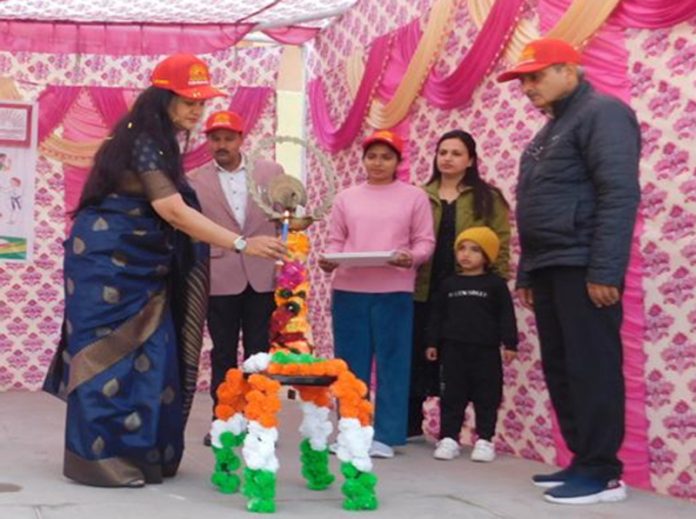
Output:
[[241, 286]]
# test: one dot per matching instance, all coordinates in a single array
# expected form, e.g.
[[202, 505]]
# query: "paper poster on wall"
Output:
[[18, 155]]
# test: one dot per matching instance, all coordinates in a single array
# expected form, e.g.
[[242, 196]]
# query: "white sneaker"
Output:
[[446, 449], [380, 450], [484, 451]]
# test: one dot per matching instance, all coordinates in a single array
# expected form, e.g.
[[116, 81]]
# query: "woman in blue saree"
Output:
[[136, 281]]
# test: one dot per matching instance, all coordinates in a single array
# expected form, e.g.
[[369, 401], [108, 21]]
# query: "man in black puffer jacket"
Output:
[[577, 199]]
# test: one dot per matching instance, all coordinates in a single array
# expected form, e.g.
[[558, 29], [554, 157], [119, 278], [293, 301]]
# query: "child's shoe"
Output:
[[446, 449], [484, 451]]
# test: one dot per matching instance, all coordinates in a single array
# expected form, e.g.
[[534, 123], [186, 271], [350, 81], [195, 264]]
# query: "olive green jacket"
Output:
[[499, 222]]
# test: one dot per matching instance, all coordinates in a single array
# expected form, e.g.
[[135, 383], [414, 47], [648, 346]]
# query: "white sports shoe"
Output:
[[484, 451], [380, 450], [446, 449]]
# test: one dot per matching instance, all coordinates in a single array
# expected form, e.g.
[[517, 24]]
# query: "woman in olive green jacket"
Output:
[[459, 199]]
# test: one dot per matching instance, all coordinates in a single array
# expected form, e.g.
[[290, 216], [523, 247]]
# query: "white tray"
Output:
[[360, 259]]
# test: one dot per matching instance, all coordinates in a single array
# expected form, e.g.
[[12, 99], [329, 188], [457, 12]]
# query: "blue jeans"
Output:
[[379, 325]]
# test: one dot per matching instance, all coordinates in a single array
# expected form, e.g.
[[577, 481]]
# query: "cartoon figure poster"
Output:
[[18, 155]]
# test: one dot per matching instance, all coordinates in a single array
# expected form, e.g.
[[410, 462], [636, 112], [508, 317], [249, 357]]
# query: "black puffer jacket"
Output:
[[578, 190]]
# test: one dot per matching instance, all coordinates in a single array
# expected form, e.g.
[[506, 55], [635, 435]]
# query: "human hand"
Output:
[[509, 356], [603, 295], [431, 353], [401, 258], [265, 247], [526, 297], [326, 265]]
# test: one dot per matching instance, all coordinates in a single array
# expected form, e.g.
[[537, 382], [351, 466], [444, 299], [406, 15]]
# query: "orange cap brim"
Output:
[[200, 92], [525, 68], [228, 127], [369, 142]]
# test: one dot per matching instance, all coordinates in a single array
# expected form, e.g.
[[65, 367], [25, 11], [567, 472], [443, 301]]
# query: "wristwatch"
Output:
[[239, 244]]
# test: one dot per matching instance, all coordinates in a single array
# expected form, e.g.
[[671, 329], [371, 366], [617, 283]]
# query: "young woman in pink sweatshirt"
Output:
[[372, 307]]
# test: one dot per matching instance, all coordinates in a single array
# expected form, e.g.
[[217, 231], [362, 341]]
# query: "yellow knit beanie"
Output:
[[484, 237]]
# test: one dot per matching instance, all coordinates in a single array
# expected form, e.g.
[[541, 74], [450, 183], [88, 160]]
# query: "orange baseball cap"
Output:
[[386, 137], [224, 120], [538, 55], [185, 75]]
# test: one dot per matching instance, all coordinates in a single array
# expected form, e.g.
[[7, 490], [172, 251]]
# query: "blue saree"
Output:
[[127, 362]]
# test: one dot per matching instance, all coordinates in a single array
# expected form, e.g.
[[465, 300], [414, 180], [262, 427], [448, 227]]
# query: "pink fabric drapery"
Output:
[[81, 122], [653, 14], [111, 104], [248, 102], [457, 88], [334, 138], [292, 35], [54, 103], [405, 43], [118, 39], [605, 59], [403, 171], [442, 91]]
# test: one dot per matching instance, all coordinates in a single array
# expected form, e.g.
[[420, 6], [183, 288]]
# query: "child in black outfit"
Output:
[[472, 315]]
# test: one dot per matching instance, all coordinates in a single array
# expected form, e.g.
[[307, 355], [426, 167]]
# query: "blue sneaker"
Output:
[[552, 480], [580, 490]]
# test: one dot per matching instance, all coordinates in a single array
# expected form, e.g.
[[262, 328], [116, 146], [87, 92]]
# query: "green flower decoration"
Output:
[[260, 488], [359, 488], [315, 466], [227, 463]]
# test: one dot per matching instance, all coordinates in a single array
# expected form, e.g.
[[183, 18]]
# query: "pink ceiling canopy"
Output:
[[264, 13], [120, 27]]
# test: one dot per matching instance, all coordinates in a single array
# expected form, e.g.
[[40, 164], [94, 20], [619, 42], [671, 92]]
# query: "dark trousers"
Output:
[[424, 373], [582, 357], [250, 312], [469, 373]]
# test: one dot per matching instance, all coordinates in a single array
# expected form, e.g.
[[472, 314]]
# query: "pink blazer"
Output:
[[230, 271]]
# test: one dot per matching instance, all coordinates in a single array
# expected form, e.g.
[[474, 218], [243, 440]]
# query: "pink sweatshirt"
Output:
[[383, 217]]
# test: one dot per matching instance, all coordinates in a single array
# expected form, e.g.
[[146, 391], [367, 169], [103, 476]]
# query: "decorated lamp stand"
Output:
[[248, 402]]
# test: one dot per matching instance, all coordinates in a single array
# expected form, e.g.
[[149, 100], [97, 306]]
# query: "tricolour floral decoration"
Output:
[[248, 407]]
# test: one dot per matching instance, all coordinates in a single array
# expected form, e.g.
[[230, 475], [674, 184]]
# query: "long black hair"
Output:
[[149, 116], [482, 190]]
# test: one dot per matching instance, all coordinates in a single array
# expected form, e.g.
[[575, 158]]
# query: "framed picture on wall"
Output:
[[15, 124]]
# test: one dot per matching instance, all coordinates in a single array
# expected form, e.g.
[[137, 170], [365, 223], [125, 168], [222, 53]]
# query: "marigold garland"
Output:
[[262, 402], [260, 488], [227, 463], [315, 466], [319, 396], [359, 488], [315, 428], [257, 397], [231, 395], [290, 330]]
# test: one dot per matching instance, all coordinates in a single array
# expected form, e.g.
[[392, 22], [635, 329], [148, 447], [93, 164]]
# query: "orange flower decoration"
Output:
[[298, 245], [224, 412], [262, 400], [231, 394], [319, 396]]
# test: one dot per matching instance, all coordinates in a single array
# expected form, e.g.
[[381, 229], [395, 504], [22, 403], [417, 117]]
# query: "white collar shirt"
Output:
[[234, 185]]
